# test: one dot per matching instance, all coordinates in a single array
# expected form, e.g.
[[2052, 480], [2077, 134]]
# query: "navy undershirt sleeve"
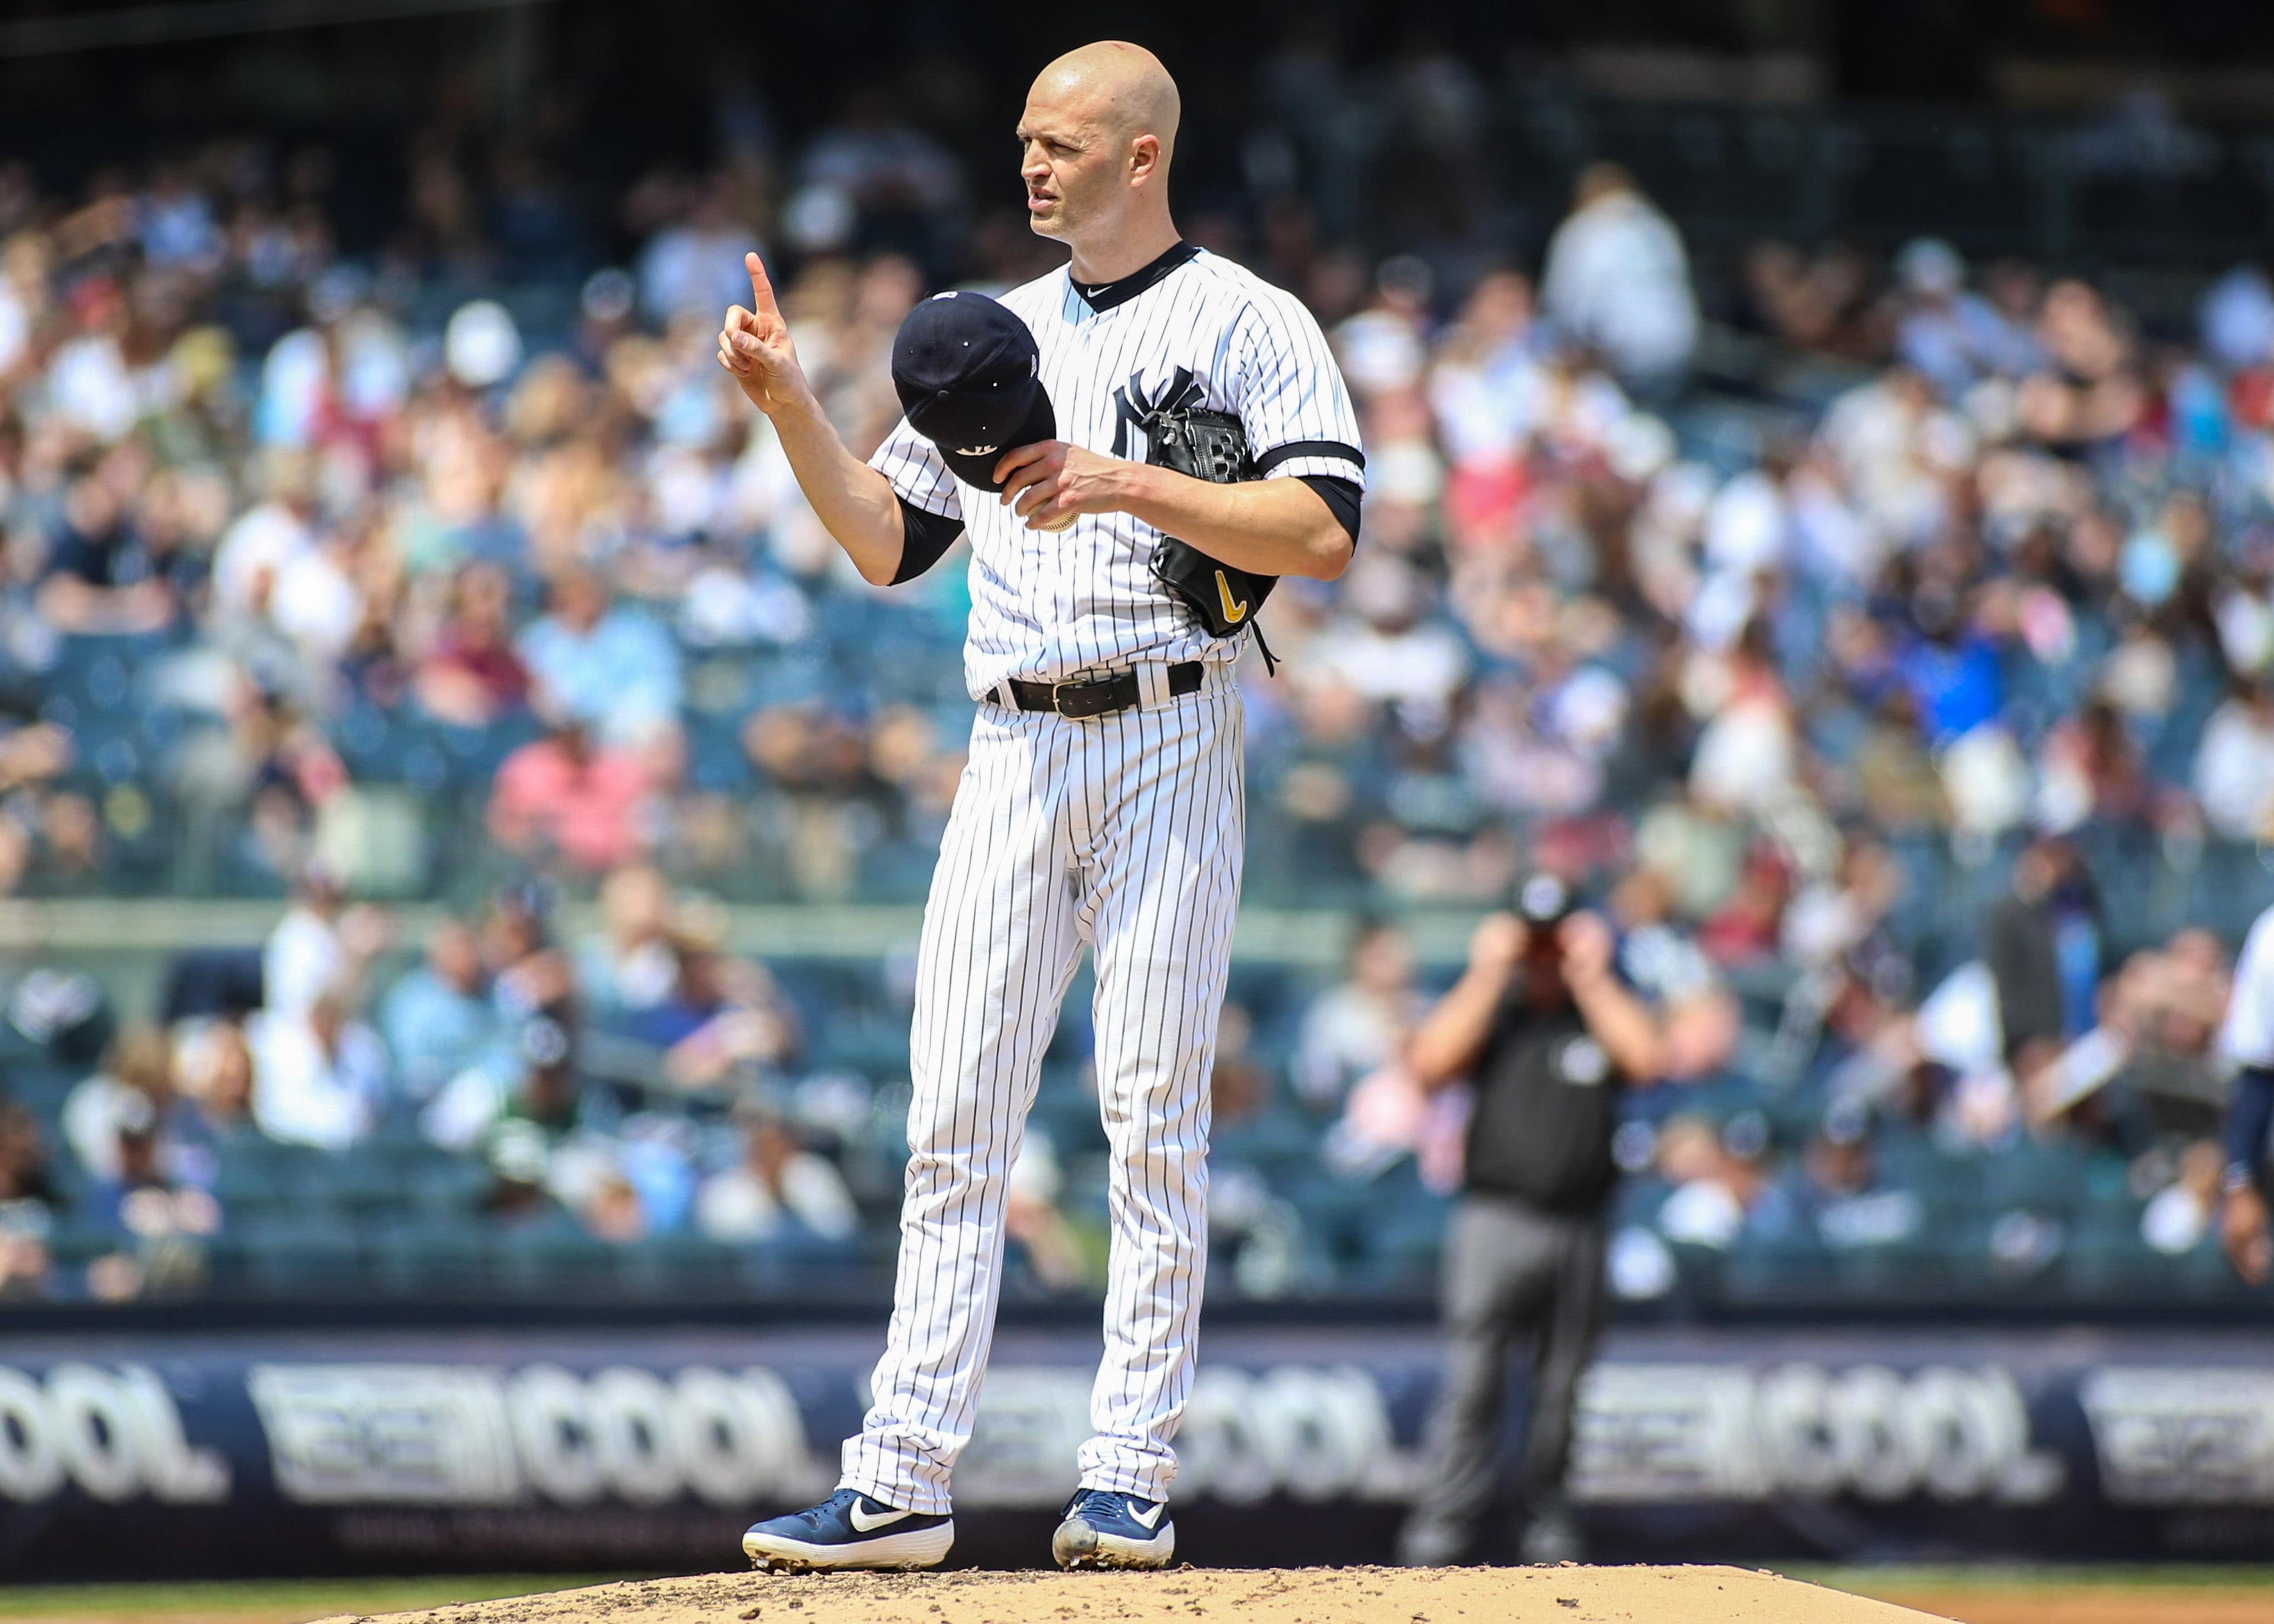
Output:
[[1341, 495], [2248, 1116], [924, 538]]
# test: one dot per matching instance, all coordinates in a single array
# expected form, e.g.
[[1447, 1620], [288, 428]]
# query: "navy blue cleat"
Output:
[[848, 1529], [1103, 1527]]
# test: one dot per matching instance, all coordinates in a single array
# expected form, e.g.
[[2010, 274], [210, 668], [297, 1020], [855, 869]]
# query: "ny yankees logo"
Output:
[[1132, 410]]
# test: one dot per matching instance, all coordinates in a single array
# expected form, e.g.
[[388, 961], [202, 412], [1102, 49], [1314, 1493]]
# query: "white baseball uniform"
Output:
[[1124, 832], [2247, 1036]]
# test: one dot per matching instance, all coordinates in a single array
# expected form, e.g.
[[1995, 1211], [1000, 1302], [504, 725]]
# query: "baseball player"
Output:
[[2248, 1042], [1102, 800]]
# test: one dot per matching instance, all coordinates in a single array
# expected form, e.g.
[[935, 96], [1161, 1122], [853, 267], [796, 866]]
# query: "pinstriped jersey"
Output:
[[1192, 330]]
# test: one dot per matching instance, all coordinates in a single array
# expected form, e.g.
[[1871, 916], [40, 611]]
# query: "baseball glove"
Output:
[[1210, 446]]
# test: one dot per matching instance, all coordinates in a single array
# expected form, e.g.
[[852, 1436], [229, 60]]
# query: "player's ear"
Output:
[[1144, 158]]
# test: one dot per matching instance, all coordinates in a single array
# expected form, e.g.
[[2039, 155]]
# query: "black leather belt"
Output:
[[1101, 696]]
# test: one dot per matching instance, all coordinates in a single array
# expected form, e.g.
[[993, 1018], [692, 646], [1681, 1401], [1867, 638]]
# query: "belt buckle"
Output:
[[1064, 701]]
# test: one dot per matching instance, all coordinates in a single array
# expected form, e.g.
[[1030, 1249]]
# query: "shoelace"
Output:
[[1109, 1501], [842, 1498]]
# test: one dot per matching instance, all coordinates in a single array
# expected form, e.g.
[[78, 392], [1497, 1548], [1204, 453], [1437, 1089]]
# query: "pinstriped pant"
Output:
[[1124, 832]]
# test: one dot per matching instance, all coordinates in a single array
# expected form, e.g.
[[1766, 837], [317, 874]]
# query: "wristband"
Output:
[[2239, 1178]]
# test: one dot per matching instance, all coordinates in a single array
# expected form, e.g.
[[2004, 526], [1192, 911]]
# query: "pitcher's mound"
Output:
[[1197, 1596]]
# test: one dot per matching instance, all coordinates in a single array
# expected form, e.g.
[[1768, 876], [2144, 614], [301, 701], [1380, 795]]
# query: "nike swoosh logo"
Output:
[[1233, 612], [864, 1523], [1151, 1520]]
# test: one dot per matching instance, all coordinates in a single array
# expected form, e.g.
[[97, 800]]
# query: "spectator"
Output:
[[1361, 1025], [600, 664], [1719, 1178], [518, 1158], [629, 965], [1954, 337], [776, 1182], [321, 1077], [722, 1016], [2043, 945], [537, 1087], [268, 540], [438, 1020], [2146, 1072], [871, 177], [1388, 652], [473, 676], [1618, 279], [1664, 963], [136, 1081], [694, 267], [101, 575], [2234, 766], [215, 1068], [321, 947], [1239, 1085], [29, 1203], [161, 1221], [2178, 1218], [1835, 1199], [565, 796], [1383, 349]]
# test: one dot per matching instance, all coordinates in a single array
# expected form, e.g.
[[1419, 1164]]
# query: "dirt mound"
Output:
[[1195, 1596]]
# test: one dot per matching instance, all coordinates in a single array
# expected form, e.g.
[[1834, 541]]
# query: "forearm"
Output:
[[2248, 1116], [1624, 1025], [1270, 527], [854, 502], [1449, 1039]]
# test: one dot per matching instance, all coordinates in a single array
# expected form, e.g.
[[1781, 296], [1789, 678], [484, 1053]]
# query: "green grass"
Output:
[[2022, 1576], [268, 1601]]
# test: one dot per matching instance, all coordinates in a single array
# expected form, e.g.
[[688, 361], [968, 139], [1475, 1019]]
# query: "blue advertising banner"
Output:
[[293, 1454]]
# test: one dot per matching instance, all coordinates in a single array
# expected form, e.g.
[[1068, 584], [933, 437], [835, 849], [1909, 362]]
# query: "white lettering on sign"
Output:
[[115, 1432], [474, 1435], [2180, 1436], [1675, 1432], [407, 1434], [1299, 1430]]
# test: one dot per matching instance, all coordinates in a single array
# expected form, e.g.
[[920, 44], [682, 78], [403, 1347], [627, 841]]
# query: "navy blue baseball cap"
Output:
[[967, 371]]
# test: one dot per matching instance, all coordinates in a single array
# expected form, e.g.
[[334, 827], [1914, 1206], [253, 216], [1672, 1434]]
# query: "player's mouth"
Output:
[[1037, 201]]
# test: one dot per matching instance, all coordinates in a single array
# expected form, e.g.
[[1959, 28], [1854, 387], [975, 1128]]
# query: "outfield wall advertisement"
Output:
[[630, 1451]]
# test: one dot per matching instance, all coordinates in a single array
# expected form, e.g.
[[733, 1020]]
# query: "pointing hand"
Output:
[[755, 346]]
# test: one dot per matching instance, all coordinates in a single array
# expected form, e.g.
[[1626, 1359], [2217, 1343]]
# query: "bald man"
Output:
[[1102, 805]]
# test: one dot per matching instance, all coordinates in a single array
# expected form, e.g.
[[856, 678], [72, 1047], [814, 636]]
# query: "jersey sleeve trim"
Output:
[[1316, 448]]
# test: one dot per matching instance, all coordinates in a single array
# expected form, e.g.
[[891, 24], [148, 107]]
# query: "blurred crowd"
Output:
[[1883, 641]]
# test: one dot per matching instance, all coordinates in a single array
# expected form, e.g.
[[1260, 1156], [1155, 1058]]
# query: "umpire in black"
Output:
[[1547, 1034]]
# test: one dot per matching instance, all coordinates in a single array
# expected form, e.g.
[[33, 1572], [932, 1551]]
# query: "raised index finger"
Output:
[[762, 291]]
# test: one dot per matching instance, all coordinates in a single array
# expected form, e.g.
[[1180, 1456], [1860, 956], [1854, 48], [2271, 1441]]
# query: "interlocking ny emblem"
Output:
[[1132, 410]]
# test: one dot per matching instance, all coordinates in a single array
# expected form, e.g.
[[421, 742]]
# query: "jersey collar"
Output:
[[1103, 296]]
